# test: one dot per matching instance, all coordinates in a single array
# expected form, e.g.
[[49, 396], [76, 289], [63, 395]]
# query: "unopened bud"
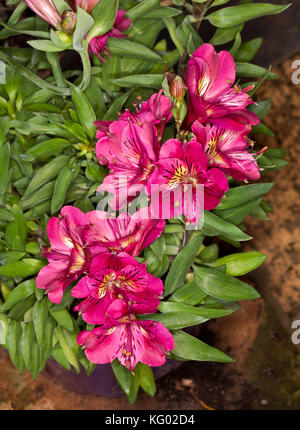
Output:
[[178, 88], [64, 37], [69, 20]]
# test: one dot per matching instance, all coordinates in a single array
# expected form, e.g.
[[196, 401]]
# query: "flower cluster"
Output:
[[67, 21], [217, 117], [114, 286], [98, 250]]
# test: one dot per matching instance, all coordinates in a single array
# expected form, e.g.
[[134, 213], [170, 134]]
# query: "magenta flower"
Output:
[[68, 258], [209, 78], [130, 149], [127, 339], [98, 44], [126, 233], [157, 110], [46, 10], [182, 175], [227, 150], [114, 277]]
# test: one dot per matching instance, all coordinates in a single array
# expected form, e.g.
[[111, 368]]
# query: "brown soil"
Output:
[[266, 371]]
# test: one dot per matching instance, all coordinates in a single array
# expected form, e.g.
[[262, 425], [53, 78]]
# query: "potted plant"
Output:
[[121, 180]]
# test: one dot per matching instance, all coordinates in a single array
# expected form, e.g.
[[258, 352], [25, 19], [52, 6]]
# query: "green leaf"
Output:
[[241, 263], [59, 356], [243, 194], [84, 110], [13, 342], [141, 10], [182, 264], [46, 173], [201, 311], [104, 14], [189, 294], [248, 50], [235, 15], [225, 35], [10, 257], [123, 376], [126, 48], [252, 70], [49, 147], [63, 317], [237, 214], [26, 343], [146, 379], [62, 184], [44, 45], [147, 81], [222, 286], [4, 168], [216, 226], [175, 320], [116, 106], [190, 348], [22, 269], [68, 350], [18, 294], [4, 322], [83, 25], [40, 316], [261, 108]]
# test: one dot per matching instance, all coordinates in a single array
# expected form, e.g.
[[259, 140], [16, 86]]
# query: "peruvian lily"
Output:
[[46, 10], [126, 338], [227, 150], [130, 149], [112, 277], [183, 184], [67, 257], [87, 5], [98, 44], [126, 233], [212, 96]]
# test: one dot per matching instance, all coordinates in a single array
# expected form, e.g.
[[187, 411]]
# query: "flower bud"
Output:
[[46, 10], [87, 5], [178, 88], [69, 20]]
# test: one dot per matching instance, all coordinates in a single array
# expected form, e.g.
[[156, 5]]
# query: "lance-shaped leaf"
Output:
[[241, 263], [190, 348], [235, 15], [18, 294], [126, 48], [182, 264], [22, 269], [216, 226], [4, 168], [222, 286], [83, 25]]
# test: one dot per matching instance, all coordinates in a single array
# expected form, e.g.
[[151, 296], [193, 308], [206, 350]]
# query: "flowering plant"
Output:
[[120, 180]]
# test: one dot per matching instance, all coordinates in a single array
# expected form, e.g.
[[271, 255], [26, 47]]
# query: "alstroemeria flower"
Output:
[[212, 96], [46, 10], [98, 44], [68, 258], [127, 339], [112, 277], [227, 150], [184, 179], [126, 233], [130, 150], [87, 5]]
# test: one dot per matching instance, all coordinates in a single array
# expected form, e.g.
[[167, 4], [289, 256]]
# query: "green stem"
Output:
[[87, 69], [53, 59], [32, 77]]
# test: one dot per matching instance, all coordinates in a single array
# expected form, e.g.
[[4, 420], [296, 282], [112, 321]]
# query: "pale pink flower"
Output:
[[46, 10]]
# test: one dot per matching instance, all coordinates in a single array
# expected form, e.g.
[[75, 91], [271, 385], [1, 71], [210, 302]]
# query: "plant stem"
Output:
[[56, 69], [169, 23], [205, 8]]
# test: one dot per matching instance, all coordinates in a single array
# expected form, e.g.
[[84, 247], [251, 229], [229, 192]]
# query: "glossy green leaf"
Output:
[[18, 294], [4, 168], [40, 316], [216, 226], [241, 263], [182, 264], [189, 294], [23, 268], [44, 45], [84, 110], [126, 48], [243, 194], [104, 15], [147, 81], [83, 25], [190, 348], [222, 286], [63, 317], [123, 375], [252, 70], [142, 9], [235, 15], [146, 378]]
